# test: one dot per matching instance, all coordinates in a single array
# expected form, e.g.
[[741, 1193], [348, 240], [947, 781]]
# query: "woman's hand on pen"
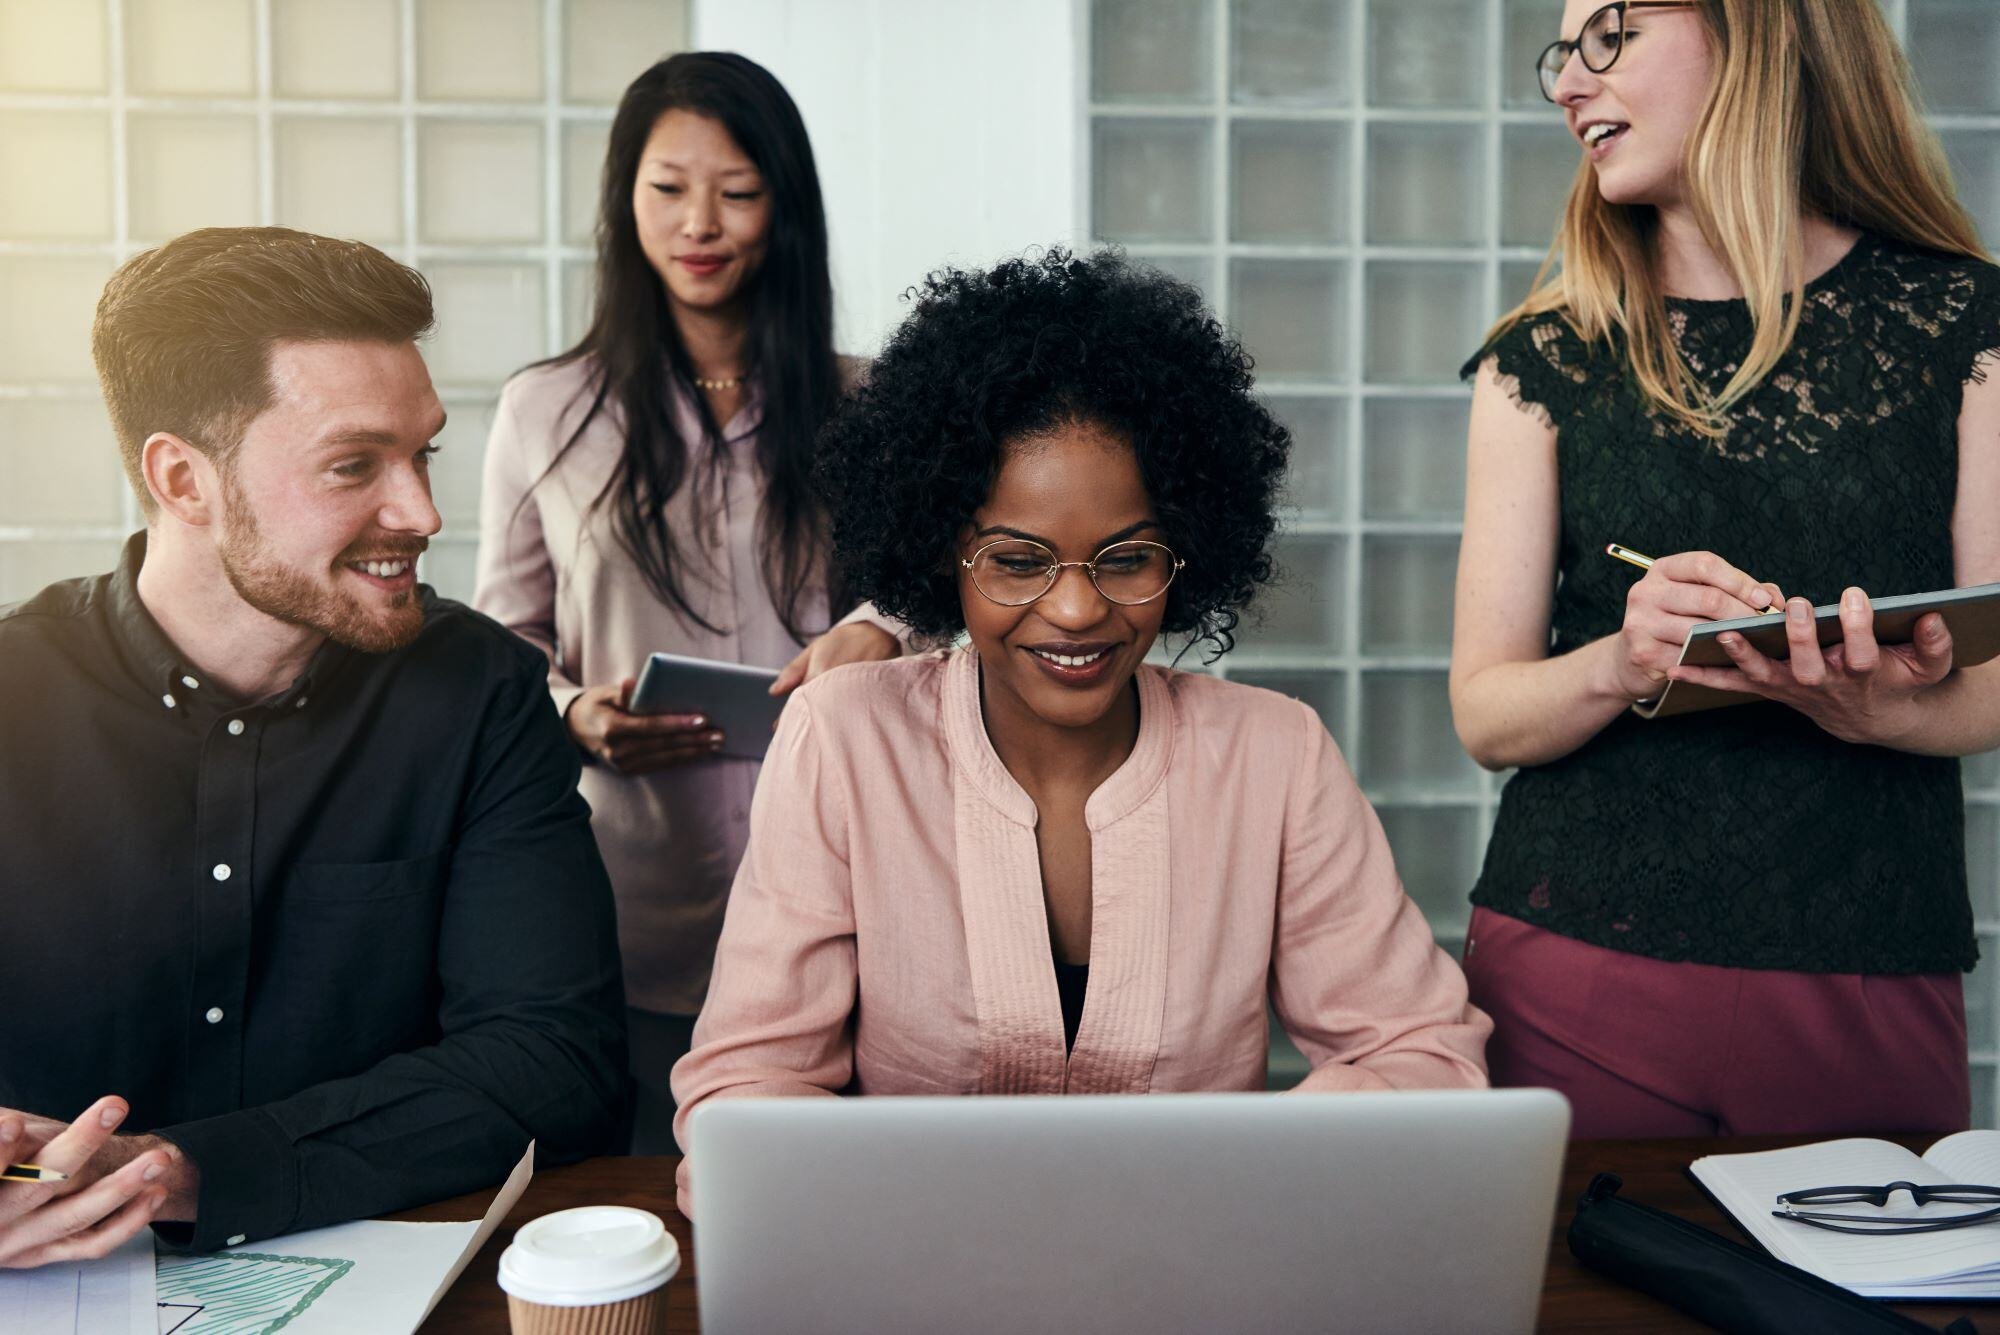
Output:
[[607, 730], [854, 642], [1858, 690], [104, 1201], [1678, 593]]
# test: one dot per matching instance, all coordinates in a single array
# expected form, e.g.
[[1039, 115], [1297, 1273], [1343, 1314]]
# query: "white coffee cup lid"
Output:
[[590, 1255]]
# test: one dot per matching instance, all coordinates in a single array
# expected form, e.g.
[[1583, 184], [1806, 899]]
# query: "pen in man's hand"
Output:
[[31, 1172]]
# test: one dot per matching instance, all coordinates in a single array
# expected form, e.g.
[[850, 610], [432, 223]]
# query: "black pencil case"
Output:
[[1712, 1279]]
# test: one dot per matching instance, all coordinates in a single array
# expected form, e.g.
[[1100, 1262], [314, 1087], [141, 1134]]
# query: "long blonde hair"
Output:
[[1809, 110]]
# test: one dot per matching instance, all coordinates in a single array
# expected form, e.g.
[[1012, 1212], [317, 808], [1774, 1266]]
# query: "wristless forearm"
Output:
[[1531, 713], [1960, 716]]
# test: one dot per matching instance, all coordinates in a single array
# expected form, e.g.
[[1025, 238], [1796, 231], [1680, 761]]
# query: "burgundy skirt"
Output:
[[1644, 1048]]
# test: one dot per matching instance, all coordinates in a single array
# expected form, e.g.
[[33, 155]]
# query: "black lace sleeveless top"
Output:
[[1747, 836]]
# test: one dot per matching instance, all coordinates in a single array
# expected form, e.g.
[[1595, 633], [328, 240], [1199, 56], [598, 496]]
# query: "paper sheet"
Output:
[[373, 1276], [109, 1295]]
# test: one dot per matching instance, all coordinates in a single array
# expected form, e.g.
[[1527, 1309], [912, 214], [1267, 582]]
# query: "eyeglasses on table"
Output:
[[1789, 1204]]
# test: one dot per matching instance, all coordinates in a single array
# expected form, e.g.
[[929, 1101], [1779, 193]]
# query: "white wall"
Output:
[[945, 131]]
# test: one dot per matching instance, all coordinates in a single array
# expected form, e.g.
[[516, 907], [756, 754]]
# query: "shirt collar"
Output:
[[159, 666]]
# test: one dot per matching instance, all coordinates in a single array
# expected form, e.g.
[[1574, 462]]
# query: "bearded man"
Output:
[[305, 918]]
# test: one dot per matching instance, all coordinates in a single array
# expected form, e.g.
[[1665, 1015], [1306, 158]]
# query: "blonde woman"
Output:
[[1769, 360]]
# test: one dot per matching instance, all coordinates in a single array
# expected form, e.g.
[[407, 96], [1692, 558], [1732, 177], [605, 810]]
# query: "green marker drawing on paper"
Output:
[[243, 1293]]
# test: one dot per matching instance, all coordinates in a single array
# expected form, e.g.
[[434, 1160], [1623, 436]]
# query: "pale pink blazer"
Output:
[[886, 933]]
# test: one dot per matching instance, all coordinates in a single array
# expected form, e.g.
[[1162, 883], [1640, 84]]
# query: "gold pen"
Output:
[[1632, 558], [1628, 556], [31, 1172]]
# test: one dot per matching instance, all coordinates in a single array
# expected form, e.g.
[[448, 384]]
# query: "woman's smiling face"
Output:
[[702, 211], [1075, 489], [1634, 119]]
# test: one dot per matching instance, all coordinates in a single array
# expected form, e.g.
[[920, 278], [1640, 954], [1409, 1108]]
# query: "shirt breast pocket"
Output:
[[352, 963], [355, 882]]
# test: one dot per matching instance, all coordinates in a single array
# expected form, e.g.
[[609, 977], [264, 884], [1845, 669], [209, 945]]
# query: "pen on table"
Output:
[[1632, 558], [31, 1172]]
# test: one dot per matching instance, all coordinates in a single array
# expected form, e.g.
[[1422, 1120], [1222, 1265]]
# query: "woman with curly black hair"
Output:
[[1037, 863]]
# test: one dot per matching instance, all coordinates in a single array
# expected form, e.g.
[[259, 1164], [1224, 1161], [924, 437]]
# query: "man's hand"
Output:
[[117, 1185]]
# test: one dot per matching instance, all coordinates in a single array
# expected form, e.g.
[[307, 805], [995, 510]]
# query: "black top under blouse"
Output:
[[1748, 836], [1072, 980]]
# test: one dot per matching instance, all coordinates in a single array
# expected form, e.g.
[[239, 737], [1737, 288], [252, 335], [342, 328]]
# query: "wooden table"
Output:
[[1573, 1298]]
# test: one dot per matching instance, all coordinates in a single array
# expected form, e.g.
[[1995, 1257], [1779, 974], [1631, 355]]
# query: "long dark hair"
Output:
[[632, 337]]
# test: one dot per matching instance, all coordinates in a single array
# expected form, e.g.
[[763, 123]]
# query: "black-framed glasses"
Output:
[[1600, 43], [1013, 572], [1954, 1193]]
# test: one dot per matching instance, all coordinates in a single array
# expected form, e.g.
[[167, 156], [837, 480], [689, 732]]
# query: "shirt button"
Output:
[[167, 700], [214, 1015], [191, 683], [235, 1238], [236, 727], [221, 872], [301, 703]]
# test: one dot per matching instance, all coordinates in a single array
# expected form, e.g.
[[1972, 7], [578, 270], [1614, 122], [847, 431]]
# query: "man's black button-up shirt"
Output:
[[350, 947]]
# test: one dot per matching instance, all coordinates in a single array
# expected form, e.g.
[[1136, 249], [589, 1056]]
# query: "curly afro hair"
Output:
[[987, 359]]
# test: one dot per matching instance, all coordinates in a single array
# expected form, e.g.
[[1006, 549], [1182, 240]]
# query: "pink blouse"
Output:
[[887, 933]]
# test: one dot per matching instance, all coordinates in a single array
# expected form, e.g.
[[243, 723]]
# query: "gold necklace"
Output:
[[731, 383]]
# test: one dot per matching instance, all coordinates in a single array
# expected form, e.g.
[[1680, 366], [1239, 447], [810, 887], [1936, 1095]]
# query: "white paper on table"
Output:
[[111, 1294], [374, 1275]]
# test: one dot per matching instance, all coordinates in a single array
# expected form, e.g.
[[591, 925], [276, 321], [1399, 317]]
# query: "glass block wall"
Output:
[[462, 136], [1361, 187]]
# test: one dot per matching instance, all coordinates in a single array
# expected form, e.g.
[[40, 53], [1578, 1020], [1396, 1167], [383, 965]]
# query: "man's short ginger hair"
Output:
[[183, 333]]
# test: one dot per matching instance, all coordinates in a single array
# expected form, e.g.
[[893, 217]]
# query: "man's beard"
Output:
[[277, 590]]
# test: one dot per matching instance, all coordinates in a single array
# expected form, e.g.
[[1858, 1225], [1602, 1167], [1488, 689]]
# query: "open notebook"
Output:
[[1954, 1264]]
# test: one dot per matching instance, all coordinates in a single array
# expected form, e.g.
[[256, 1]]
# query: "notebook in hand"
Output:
[[1972, 615], [1952, 1264]]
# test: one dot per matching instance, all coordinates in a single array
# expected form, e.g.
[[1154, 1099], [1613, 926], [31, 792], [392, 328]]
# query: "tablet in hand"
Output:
[[1972, 615], [735, 697]]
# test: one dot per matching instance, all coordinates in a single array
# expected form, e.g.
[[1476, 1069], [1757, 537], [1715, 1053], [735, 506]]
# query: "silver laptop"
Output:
[[1141, 1213]]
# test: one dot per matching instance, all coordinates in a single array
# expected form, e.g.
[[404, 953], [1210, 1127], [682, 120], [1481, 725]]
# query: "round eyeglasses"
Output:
[[1600, 44], [1013, 572]]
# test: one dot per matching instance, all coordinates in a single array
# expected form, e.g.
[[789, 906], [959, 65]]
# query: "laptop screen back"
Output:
[[1153, 1213]]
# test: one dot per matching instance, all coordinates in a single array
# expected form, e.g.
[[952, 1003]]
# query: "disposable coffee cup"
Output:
[[596, 1270]]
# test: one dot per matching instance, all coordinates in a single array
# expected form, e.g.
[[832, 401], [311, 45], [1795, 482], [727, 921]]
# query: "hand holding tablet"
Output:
[[1970, 616], [603, 726], [734, 698]]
